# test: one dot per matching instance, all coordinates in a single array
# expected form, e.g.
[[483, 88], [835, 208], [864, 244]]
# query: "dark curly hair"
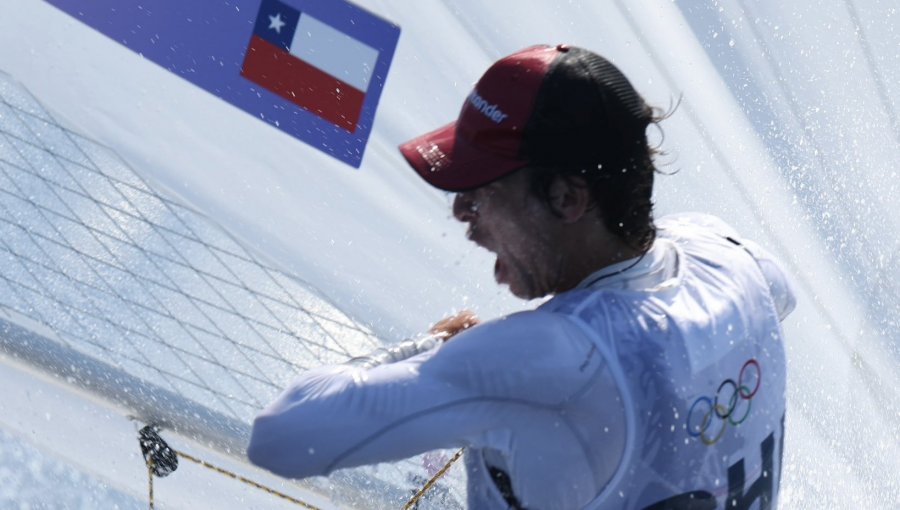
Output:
[[590, 123]]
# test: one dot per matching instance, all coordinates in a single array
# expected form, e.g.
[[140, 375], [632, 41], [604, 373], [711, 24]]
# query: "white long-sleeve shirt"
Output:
[[658, 378]]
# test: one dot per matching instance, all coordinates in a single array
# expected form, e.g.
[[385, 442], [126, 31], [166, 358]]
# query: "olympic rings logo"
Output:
[[736, 393]]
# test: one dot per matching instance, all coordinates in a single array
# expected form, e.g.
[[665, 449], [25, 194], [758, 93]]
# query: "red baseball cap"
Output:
[[526, 105]]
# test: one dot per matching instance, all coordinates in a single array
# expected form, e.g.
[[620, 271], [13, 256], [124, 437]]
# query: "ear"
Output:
[[570, 198]]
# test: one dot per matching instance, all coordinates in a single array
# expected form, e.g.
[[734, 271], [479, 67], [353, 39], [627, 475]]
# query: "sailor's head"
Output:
[[544, 129]]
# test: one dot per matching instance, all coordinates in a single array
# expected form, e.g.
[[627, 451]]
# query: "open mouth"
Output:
[[499, 271]]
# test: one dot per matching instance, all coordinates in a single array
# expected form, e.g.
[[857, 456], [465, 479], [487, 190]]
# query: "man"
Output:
[[655, 376]]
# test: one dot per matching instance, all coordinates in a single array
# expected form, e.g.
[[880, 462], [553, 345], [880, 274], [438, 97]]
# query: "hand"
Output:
[[448, 327]]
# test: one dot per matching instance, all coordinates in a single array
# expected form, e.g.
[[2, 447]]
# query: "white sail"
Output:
[[768, 135], [127, 294]]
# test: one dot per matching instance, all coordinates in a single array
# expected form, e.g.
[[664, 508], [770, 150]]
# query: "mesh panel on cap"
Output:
[[586, 110]]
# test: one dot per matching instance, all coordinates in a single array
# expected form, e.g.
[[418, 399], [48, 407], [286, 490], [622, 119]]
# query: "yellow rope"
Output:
[[284, 496], [246, 480], [434, 479], [150, 476]]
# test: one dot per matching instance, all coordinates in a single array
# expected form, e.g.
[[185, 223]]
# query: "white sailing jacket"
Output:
[[658, 383]]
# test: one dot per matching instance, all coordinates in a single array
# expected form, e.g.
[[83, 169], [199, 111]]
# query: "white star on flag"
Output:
[[275, 22]]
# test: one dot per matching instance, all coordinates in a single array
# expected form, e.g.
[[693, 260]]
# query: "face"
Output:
[[507, 219]]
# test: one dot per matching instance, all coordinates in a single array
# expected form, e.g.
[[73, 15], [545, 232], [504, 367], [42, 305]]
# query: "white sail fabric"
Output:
[[124, 274], [787, 129], [147, 303]]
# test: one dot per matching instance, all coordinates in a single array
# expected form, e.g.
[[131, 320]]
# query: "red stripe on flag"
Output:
[[302, 84]]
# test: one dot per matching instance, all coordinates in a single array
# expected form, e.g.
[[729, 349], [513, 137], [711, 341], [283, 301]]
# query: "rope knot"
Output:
[[159, 457]]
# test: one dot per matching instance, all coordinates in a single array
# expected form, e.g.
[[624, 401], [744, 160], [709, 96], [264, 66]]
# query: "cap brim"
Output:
[[452, 164]]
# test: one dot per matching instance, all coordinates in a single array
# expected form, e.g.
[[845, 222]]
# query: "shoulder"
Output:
[[694, 225], [534, 353], [706, 234], [521, 335]]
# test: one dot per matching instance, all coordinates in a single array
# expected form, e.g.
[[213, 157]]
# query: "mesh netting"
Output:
[[122, 273], [92, 257]]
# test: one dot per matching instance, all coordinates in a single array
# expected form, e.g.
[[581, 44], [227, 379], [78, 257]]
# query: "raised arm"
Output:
[[345, 415]]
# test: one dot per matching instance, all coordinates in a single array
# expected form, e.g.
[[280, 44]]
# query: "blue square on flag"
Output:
[[313, 69], [310, 63]]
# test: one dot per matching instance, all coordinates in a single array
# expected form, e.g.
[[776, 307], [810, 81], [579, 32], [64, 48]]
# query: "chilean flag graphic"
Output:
[[314, 69], [309, 63]]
